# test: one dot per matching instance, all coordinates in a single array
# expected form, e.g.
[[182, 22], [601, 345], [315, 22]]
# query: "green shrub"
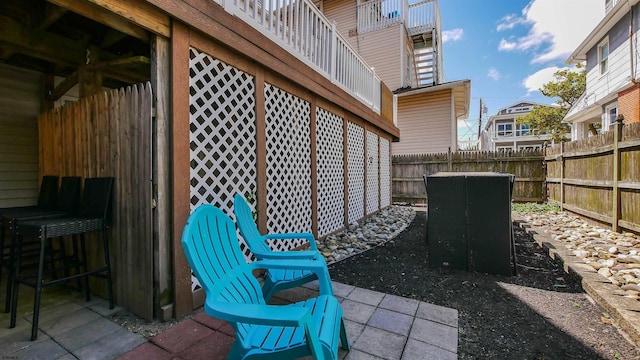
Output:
[[537, 208]]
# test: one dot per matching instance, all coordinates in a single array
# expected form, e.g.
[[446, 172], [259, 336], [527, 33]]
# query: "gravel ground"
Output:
[[541, 313]]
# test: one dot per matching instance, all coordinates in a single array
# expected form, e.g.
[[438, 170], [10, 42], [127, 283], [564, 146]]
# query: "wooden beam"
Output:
[[64, 87], [137, 12], [39, 44], [103, 16], [53, 13]]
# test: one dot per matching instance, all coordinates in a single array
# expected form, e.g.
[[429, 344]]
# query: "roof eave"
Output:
[[609, 20]]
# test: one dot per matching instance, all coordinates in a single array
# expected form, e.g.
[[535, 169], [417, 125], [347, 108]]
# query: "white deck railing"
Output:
[[300, 28], [420, 17]]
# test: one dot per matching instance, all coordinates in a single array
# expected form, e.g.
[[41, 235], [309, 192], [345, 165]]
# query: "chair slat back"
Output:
[[211, 246], [96, 198], [247, 226], [69, 194], [48, 195]]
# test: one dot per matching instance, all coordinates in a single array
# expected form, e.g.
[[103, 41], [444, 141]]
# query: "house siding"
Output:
[[344, 15], [20, 93], [423, 132], [381, 51], [618, 74]]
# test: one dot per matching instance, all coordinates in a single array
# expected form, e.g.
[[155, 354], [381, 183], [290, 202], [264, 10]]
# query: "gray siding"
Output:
[[20, 105]]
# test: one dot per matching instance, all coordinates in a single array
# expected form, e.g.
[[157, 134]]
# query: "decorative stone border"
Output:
[[625, 311]]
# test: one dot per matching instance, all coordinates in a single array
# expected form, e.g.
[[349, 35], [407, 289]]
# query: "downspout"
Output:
[[632, 68]]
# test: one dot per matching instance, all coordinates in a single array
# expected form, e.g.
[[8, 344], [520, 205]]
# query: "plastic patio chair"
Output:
[[311, 327], [275, 280]]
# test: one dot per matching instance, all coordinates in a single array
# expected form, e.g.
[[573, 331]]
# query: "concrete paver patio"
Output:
[[379, 326]]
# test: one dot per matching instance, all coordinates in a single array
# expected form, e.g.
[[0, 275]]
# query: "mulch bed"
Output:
[[542, 313]]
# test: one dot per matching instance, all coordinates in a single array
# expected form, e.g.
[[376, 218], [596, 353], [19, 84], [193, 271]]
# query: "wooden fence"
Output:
[[527, 166], [109, 134], [599, 177]]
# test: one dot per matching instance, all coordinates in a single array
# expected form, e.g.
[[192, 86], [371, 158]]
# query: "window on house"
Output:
[[504, 148], [611, 114], [407, 78], [505, 129], [603, 56], [524, 130]]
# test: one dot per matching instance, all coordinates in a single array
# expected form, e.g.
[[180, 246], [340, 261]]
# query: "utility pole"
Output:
[[480, 119]]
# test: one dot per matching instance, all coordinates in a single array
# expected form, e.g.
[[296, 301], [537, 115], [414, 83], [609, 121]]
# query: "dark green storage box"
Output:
[[469, 222]]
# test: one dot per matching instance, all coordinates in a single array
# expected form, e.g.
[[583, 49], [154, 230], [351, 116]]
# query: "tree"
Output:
[[568, 85]]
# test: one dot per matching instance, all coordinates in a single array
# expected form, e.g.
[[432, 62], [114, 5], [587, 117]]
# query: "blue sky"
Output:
[[510, 48]]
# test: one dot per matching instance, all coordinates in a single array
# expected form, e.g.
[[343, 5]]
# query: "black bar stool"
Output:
[[66, 204], [94, 214], [47, 197]]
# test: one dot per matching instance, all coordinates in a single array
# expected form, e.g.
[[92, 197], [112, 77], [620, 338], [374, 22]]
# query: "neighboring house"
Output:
[[259, 98], [402, 41], [611, 55], [503, 132]]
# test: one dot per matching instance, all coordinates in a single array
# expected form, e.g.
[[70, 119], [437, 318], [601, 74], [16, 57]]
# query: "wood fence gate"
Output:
[[109, 134]]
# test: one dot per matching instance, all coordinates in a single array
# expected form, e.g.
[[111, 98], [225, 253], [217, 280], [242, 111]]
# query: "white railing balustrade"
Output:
[[508, 133], [300, 28], [418, 18]]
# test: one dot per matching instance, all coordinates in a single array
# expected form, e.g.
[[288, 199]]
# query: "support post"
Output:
[[617, 137], [562, 176]]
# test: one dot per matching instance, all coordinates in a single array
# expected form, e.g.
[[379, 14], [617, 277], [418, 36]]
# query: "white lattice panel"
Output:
[[222, 135], [288, 130], [330, 166], [385, 173], [355, 169], [373, 201]]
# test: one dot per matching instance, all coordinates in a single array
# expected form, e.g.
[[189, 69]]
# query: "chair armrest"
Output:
[[271, 315], [293, 236], [318, 267], [290, 255]]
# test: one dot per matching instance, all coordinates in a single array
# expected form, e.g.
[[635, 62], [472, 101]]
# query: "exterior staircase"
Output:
[[424, 57]]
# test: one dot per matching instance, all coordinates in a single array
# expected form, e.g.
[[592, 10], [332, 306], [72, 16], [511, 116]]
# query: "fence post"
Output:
[[449, 165], [562, 176], [617, 137]]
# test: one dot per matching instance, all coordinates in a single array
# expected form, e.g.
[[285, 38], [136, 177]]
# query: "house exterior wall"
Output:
[[20, 104], [344, 14], [423, 131], [619, 63], [384, 51], [629, 104], [517, 138]]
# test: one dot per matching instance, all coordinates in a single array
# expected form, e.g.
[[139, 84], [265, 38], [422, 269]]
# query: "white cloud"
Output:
[[509, 22], [452, 35], [537, 80], [557, 27], [494, 74]]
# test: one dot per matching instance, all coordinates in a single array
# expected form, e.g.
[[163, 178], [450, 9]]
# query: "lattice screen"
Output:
[[385, 173], [373, 201], [222, 134], [330, 165], [355, 168], [288, 130]]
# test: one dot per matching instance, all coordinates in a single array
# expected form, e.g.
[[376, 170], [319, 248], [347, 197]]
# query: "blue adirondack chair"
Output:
[[275, 280], [311, 327]]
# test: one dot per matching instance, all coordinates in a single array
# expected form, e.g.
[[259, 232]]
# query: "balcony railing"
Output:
[[502, 134], [418, 18], [304, 31]]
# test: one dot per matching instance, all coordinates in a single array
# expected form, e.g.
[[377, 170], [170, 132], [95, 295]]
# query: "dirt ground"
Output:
[[542, 313]]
